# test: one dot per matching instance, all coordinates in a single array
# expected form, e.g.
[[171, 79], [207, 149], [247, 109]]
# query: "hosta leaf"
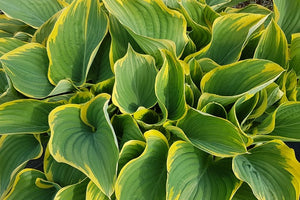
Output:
[[103, 87], [273, 45], [31, 184], [11, 25], [145, 177], [71, 49], [193, 174], [4, 34], [73, 192], [151, 24], [287, 16], [230, 34], [42, 33], [271, 170], [171, 76], [27, 68], [126, 128], [212, 134], [215, 109], [79, 134], [32, 12], [93, 193], [135, 80], [26, 37], [10, 94], [244, 193], [60, 173], [8, 44], [3, 81], [295, 53], [15, 151], [131, 150], [81, 97], [251, 8], [229, 82], [25, 116]]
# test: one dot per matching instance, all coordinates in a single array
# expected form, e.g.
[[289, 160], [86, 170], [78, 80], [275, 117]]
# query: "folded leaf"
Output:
[[11, 25], [82, 136], [171, 76], [71, 49], [273, 45], [145, 177], [212, 134], [271, 170], [193, 174], [73, 192], [287, 16], [230, 34], [93, 193], [134, 82], [32, 12], [27, 68], [15, 151], [31, 184], [25, 116], [151, 24]]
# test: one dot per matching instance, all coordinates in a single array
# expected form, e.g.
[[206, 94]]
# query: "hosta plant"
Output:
[[149, 100]]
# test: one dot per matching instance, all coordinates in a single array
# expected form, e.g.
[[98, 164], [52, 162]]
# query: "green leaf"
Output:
[[60, 173], [31, 184], [94, 193], [32, 12], [27, 68], [3, 82], [145, 177], [11, 25], [23, 36], [244, 193], [8, 44], [79, 134], [15, 151], [25, 116], [251, 8], [230, 34], [193, 174], [135, 80], [229, 82], [73, 192], [171, 76], [287, 16], [295, 53], [71, 49], [131, 150], [273, 45], [126, 129], [157, 26], [271, 170], [42, 33], [81, 97], [212, 134], [4, 34]]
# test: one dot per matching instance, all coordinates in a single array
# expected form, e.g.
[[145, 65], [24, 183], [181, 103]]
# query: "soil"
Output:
[[265, 3]]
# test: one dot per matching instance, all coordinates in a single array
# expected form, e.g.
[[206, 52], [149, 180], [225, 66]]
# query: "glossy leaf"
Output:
[[81, 133], [287, 16], [273, 45], [135, 80], [171, 76], [145, 177], [193, 174], [212, 134], [15, 151], [31, 184], [71, 49], [32, 12], [25, 116], [27, 68], [271, 170], [165, 27], [229, 37]]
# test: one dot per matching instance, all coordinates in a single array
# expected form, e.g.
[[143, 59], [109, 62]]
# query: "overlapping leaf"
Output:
[[89, 127], [295, 53], [71, 49], [271, 170]]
